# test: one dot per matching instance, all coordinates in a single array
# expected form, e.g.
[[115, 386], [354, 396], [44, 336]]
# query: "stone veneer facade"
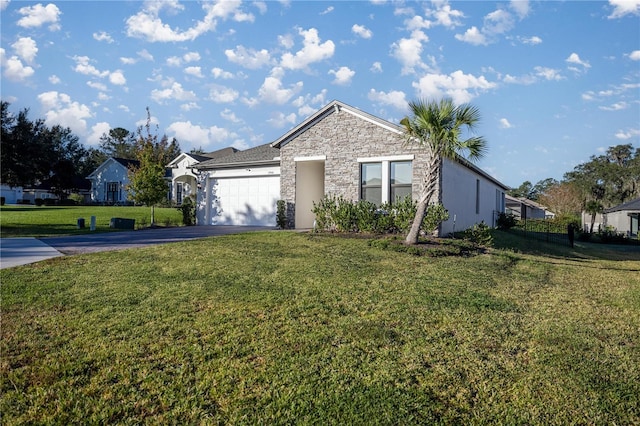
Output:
[[343, 137]]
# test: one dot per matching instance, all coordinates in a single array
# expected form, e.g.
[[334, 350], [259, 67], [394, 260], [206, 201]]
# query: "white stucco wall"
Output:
[[459, 198], [621, 221]]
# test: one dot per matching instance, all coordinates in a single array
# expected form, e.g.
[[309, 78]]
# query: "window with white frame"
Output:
[[179, 189], [385, 179]]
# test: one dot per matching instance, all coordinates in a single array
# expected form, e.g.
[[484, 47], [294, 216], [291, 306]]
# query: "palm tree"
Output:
[[438, 127], [593, 207]]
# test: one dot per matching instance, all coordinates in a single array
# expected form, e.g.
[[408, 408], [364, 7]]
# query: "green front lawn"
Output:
[[32, 221], [289, 328]]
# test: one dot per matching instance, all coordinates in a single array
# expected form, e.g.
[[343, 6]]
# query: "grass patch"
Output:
[[32, 221], [282, 327]]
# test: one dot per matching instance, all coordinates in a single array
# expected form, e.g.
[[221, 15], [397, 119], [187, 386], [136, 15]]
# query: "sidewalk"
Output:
[[22, 251]]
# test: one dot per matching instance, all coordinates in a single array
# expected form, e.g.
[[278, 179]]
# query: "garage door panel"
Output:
[[247, 201]]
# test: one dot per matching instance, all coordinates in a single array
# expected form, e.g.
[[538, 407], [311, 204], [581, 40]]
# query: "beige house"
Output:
[[624, 218]]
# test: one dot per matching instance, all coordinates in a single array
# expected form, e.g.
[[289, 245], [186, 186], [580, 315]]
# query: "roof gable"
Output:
[[333, 107], [113, 161]]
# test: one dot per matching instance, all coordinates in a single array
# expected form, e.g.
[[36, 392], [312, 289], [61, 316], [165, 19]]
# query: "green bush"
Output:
[[281, 214], [479, 234], [39, 201], [436, 214], [188, 209], [77, 199], [506, 221], [2, 201]]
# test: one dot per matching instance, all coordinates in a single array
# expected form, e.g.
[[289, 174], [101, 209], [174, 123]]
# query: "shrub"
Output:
[[479, 234], [2, 201], [188, 209], [281, 214], [77, 198], [404, 210], [39, 202], [67, 202], [436, 214], [324, 212], [506, 221]]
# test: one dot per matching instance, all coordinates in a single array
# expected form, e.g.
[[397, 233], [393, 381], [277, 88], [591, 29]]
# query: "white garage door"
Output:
[[247, 201]]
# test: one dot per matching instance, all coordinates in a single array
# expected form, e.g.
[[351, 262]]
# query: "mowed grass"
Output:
[[290, 328], [32, 221]]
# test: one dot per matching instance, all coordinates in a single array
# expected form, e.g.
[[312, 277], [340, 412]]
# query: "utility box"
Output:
[[121, 223]]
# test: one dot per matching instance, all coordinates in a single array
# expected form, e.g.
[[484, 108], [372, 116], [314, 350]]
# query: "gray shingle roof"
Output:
[[629, 205], [262, 154]]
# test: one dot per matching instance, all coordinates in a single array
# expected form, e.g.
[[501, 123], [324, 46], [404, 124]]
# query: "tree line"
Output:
[[33, 153], [602, 182]]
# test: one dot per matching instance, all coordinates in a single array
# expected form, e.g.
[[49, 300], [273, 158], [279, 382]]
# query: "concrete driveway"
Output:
[[22, 251]]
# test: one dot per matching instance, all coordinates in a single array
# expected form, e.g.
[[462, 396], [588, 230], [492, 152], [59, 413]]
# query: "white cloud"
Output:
[[83, 66], [98, 86], [408, 51], [327, 10], [4, 4], [222, 94], [279, 120], [103, 36], [191, 57], [229, 115], [13, 68], [128, 61], [248, 58], [615, 107], [312, 51], [343, 75], [531, 40], [621, 134], [144, 54], [459, 86], [444, 15], [286, 41], [189, 106], [376, 67], [472, 36], [174, 92], [147, 24], [220, 73], [54, 79], [26, 49], [575, 59], [193, 135], [38, 15], [60, 109], [362, 31], [261, 6], [117, 78], [273, 92], [504, 124], [394, 98], [624, 7], [635, 55], [174, 61], [548, 73], [521, 7], [194, 71], [96, 132]]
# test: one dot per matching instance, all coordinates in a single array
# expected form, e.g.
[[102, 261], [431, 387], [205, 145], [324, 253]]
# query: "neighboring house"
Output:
[[338, 151], [11, 194], [523, 208], [184, 174], [598, 223], [624, 217], [239, 189], [109, 181]]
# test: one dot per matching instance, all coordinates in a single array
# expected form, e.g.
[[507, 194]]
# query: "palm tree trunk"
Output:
[[153, 218], [593, 221], [432, 181]]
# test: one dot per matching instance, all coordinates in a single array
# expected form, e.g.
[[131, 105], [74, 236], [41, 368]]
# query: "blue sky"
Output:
[[555, 82]]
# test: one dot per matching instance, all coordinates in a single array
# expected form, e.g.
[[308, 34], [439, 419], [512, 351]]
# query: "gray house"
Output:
[[624, 217], [339, 151]]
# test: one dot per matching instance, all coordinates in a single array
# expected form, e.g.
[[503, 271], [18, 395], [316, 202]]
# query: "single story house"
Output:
[[109, 181], [184, 174], [341, 151], [523, 208], [624, 217], [11, 194]]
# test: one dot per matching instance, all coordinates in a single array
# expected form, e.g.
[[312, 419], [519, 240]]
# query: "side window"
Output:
[[371, 182], [400, 180]]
